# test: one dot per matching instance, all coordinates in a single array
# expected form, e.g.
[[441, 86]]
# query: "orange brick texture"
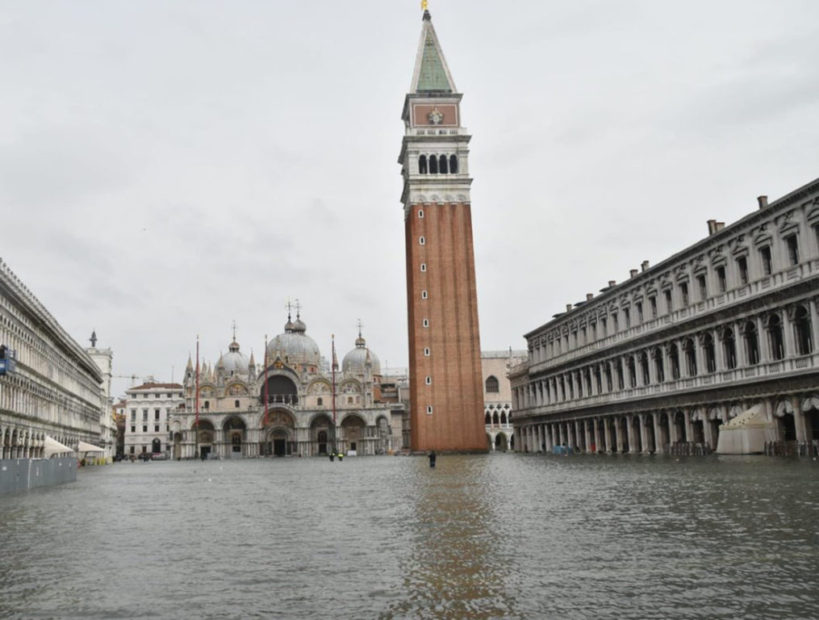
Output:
[[454, 362]]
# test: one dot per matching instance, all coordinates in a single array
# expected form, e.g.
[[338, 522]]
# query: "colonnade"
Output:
[[793, 419], [20, 442], [744, 343]]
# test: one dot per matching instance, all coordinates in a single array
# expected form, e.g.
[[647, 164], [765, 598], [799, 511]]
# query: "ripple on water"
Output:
[[501, 536]]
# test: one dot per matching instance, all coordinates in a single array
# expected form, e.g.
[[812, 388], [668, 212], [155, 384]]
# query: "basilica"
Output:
[[292, 403]]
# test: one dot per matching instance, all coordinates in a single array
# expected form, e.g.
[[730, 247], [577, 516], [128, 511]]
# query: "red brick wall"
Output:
[[456, 392]]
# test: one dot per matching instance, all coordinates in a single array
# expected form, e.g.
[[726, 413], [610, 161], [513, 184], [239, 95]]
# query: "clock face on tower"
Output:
[[435, 117]]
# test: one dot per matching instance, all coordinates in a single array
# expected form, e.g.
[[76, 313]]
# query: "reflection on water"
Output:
[[476, 537], [455, 568]]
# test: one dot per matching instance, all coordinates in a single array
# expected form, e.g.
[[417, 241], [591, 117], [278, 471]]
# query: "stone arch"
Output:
[[278, 433], [810, 409], [235, 434], [785, 420], [352, 432], [280, 388], [322, 434]]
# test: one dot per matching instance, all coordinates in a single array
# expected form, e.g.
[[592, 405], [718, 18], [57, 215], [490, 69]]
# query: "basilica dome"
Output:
[[294, 346], [233, 362], [355, 362]]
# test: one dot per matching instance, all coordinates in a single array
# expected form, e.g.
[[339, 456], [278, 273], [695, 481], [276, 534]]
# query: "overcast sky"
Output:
[[169, 167]]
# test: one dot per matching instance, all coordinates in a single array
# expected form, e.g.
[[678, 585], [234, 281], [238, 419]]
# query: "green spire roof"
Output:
[[431, 71]]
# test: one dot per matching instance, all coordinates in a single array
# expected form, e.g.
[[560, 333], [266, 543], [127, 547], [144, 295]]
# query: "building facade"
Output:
[[104, 359], [147, 410], [720, 337], [497, 397], [50, 388], [284, 406], [444, 344]]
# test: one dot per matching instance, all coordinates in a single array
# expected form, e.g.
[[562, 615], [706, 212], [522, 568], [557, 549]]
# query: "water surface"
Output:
[[497, 536]]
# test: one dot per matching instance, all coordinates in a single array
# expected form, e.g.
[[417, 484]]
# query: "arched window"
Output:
[[492, 385], [320, 401], [422, 164], [751, 343], [487, 419], [632, 371], [801, 327], [495, 419], [658, 364], [644, 365], [503, 418], [442, 166], [433, 164], [453, 164], [729, 348], [674, 356], [690, 357], [710, 354], [775, 337], [236, 404], [207, 405]]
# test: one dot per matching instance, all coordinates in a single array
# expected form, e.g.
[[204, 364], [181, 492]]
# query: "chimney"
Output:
[[633, 273], [644, 265], [763, 201], [719, 226], [568, 307], [712, 227], [612, 283], [589, 296]]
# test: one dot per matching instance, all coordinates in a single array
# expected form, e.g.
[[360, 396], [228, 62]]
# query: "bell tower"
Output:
[[446, 392]]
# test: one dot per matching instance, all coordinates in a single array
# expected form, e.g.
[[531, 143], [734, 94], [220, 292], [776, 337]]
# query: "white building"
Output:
[[49, 385], [497, 397], [717, 341], [103, 358], [147, 410]]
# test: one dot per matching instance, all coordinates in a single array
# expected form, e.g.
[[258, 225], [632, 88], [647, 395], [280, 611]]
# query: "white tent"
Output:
[[52, 446], [746, 433], [87, 447]]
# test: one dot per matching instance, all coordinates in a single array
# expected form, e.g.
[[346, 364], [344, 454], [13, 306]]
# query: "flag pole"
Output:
[[196, 405], [266, 399], [334, 368]]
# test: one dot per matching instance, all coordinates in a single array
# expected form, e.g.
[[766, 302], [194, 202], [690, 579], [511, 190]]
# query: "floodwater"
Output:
[[495, 536]]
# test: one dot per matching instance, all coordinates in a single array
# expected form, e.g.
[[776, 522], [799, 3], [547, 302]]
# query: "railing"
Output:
[[792, 448], [723, 377], [776, 280]]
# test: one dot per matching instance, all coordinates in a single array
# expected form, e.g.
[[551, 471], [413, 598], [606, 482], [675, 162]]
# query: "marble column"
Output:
[[632, 444], [643, 434], [607, 433], [659, 435]]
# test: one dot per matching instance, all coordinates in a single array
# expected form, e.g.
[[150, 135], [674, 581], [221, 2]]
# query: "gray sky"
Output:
[[168, 167]]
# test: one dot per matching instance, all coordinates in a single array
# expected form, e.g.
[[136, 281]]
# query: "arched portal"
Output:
[[278, 433], [352, 434], [205, 435], [501, 442], [156, 446], [679, 426], [235, 436], [322, 433]]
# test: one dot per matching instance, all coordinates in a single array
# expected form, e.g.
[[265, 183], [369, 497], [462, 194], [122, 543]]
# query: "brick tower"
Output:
[[446, 395]]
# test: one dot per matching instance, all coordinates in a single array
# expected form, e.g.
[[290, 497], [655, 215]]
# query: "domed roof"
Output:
[[233, 362], [294, 346], [355, 362]]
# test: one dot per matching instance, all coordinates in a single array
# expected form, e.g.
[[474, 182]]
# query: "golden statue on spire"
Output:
[[424, 5]]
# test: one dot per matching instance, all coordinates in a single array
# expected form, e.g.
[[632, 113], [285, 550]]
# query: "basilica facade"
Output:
[[284, 405]]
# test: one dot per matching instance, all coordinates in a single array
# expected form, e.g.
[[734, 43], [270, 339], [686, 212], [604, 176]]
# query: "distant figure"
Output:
[[332, 457], [340, 456], [432, 457]]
